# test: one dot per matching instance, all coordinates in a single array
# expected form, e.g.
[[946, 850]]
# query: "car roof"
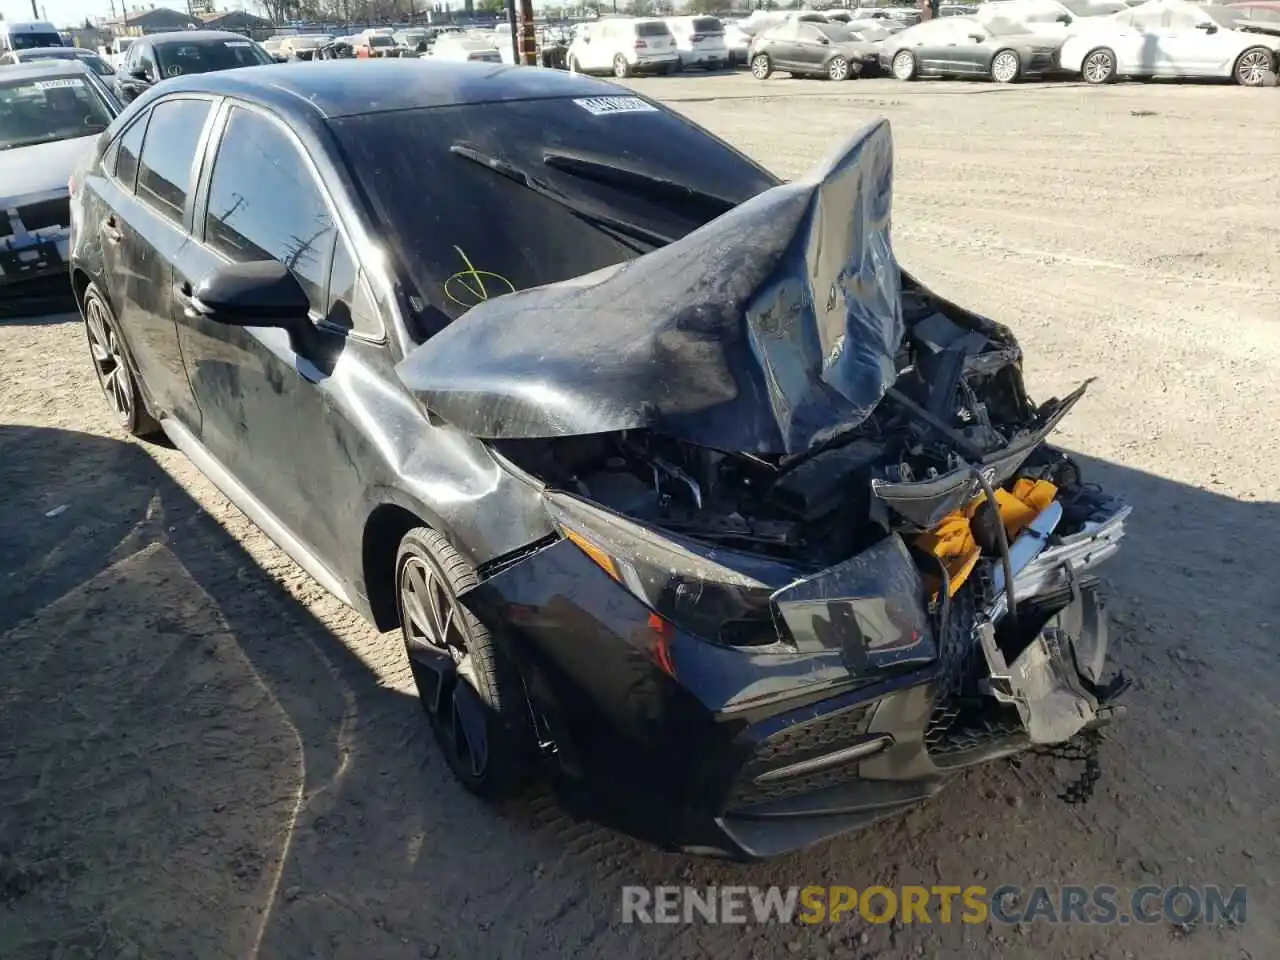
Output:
[[350, 88], [66, 52], [48, 67], [189, 36]]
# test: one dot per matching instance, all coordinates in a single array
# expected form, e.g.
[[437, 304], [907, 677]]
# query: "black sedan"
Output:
[[164, 56], [804, 48], [995, 49], [674, 486]]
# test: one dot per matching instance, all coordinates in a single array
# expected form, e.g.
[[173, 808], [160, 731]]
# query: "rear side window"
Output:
[[164, 172], [264, 204], [126, 167]]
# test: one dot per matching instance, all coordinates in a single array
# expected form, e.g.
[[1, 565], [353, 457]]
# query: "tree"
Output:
[[704, 6], [490, 6], [641, 8]]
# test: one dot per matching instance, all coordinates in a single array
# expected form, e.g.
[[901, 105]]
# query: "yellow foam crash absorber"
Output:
[[953, 543]]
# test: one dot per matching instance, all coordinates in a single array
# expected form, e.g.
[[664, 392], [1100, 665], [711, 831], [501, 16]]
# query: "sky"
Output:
[[66, 12]]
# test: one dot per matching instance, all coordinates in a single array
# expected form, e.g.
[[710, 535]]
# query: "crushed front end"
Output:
[[814, 552]]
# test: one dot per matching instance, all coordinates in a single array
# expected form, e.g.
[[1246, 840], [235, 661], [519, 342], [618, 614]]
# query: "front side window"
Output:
[[56, 108], [264, 204], [164, 171]]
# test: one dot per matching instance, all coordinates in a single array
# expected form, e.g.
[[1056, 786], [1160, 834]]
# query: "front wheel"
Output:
[[573, 65], [838, 69], [621, 69], [904, 65], [1254, 66], [469, 687], [1006, 67], [111, 364], [1099, 66], [761, 66]]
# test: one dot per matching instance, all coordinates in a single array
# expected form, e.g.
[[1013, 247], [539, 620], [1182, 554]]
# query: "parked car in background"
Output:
[[624, 46], [116, 50], [1002, 50], [699, 42], [413, 41], [373, 45], [272, 46], [1257, 16], [26, 34], [736, 41], [162, 56], [466, 47], [1049, 18], [89, 58], [1170, 38], [51, 113], [303, 46], [339, 49], [805, 48]]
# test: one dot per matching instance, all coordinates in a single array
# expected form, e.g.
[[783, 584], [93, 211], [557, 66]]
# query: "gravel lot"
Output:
[[202, 755]]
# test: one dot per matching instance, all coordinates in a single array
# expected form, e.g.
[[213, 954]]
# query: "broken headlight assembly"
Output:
[[716, 594]]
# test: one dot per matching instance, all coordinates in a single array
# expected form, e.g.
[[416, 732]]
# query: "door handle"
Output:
[[192, 308], [109, 231]]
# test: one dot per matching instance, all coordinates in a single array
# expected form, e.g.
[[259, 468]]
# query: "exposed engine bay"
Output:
[[958, 404]]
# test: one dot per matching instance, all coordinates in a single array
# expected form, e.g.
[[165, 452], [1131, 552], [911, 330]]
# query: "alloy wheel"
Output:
[[760, 67], [1004, 68], [1253, 67], [436, 640], [838, 69], [108, 360], [904, 65], [1098, 66]]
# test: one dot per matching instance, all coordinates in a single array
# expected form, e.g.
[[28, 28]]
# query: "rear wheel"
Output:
[[1099, 66], [1254, 66], [573, 65], [469, 687], [1006, 66], [904, 65], [761, 66], [838, 69], [621, 69], [111, 364]]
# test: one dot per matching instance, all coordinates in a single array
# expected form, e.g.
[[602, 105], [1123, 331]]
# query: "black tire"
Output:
[[1006, 66], [1253, 66], [761, 66], [839, 69], [571, 64], [113, 367], [1099, 66], [677, 67], [903, 66], [621, 69], [495, 683]]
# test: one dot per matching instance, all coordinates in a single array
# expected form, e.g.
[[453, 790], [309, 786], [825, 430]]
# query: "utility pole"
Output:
[[35, 12], [528, 47]]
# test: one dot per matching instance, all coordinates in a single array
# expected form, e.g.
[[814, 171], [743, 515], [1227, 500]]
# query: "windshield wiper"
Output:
[[638, 182], [34, 141], [512, 172]]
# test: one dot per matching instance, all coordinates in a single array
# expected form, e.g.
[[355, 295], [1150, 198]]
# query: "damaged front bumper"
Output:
[[750, 752]]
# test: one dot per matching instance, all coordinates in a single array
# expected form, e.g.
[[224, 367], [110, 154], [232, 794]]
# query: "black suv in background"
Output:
[[163, 56]]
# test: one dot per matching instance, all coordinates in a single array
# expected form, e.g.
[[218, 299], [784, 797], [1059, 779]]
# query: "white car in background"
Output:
[[1050, 18], [699, 42], [736, 40], [624, 46], [1170, 38], [465, 48]]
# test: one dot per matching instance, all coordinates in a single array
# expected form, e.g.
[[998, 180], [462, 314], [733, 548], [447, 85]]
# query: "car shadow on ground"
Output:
[[198, 764]]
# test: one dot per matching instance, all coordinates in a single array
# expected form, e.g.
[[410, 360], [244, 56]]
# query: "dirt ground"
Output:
[[203, 755]]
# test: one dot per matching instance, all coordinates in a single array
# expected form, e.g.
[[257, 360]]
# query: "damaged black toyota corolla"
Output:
[[675, 484]]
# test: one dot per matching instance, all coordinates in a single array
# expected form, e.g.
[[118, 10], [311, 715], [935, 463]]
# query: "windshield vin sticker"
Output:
[[238, 43], [58, 84], [604, 106]]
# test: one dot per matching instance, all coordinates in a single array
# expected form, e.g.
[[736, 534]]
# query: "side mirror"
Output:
[[259, 294], [140, 74], [977, 37], [1065, 18], [824, 40], [1207, 27]]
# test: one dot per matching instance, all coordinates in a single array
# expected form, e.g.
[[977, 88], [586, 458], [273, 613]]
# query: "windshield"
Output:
[[381, 40], [490, 226], [41, 111], [179, 59], [31, 41]]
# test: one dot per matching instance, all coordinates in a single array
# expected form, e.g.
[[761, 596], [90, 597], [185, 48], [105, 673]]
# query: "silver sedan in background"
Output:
[[1001, 50]]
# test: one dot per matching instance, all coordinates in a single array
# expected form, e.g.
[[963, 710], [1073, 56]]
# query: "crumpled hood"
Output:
[[763, 331], [40, 168]]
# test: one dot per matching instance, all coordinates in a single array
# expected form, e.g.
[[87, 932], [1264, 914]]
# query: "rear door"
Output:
[[148, 201], [275, 405]]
